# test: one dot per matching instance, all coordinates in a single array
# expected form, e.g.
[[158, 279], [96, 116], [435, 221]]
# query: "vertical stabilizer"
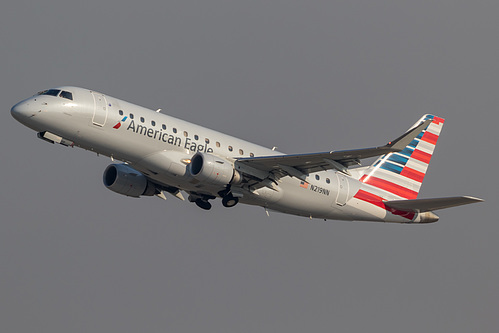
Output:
[[400, 174]]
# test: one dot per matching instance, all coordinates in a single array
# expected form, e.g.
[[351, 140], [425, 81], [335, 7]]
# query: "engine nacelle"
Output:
[[125, 180], [213, 170]]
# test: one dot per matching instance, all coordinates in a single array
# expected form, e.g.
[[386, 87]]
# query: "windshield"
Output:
[[67, 95], [55, 92], [50, 92]]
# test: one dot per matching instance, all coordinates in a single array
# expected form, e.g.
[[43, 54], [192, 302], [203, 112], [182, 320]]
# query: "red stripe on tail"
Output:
[[378, 201], [413, 174], [438, 120], [391, 187], [430, 137], [421, 156]]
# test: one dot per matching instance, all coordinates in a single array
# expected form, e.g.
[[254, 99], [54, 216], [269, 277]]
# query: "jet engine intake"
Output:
[[125, 180], [213, 170]]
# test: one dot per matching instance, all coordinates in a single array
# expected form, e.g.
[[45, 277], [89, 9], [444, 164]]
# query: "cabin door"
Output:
[[100, 109], [343, 188]]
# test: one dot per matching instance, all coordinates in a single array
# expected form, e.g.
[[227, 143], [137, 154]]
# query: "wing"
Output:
[[299, 165]]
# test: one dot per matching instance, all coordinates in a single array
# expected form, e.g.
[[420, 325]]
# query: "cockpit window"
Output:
[[55, 92], [67, 95], [51, 92]]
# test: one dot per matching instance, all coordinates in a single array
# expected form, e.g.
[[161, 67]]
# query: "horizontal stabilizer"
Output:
[[426, 205]]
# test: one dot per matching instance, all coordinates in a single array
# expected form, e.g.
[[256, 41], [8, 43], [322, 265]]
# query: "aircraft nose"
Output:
[[21, 111]]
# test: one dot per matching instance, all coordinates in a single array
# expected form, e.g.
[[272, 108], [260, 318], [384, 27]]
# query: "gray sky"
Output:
[[305, 76]]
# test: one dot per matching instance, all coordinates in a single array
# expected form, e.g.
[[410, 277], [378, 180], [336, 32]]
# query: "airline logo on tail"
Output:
[[401, 174]]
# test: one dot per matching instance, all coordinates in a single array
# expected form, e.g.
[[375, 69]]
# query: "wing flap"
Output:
[[426, 205]]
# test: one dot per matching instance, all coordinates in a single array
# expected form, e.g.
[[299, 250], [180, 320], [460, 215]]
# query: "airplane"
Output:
[[163, 155]]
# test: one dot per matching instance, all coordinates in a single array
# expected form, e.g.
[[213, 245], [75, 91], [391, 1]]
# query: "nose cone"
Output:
[[22, 111]]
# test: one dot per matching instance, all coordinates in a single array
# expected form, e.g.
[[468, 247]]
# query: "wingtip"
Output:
[[402, 141]]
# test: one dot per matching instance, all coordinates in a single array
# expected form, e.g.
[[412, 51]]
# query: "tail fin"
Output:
[[400, 174]]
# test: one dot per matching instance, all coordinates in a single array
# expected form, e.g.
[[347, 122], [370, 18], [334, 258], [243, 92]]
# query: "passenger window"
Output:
[[328, 181], [196, 137], [218, 144], [131, 115], [230, 148], [120, 112], [241, 152], [252, 155], [174, 130], [185, 134], [317, 177], [142, 119], [67, 95], [207, 140], [153, 123], [163, 126]]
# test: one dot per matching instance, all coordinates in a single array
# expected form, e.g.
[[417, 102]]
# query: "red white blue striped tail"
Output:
[[399, 175]]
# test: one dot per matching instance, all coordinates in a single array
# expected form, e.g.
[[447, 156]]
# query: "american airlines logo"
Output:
[[118, 125]]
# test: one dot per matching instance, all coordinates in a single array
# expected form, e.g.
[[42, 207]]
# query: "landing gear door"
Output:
[[343, 189], [100, 109]]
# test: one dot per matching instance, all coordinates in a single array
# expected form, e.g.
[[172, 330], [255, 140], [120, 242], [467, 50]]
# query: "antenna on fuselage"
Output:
[[158, 110]]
